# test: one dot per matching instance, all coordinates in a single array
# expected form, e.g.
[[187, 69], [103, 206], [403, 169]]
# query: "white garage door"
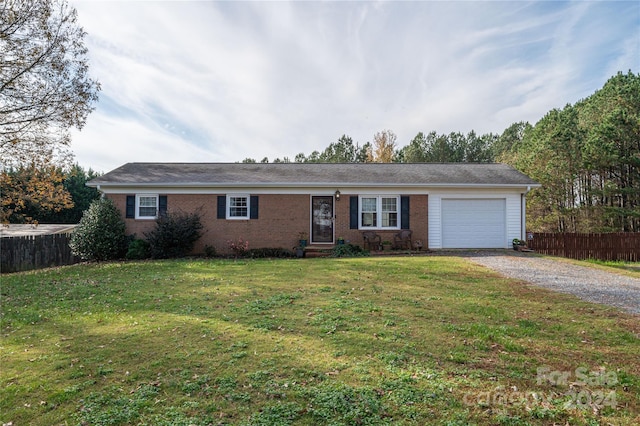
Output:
[[473, 223]]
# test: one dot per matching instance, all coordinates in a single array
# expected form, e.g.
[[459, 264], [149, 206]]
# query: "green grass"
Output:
[[627, 268], [403, 340]]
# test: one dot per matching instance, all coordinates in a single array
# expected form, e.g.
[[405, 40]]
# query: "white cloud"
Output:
[[221, 81], [110, 142]]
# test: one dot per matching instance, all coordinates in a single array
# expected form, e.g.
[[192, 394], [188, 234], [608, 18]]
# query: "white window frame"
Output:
[[247, 197], [138, 196], [378, 224]]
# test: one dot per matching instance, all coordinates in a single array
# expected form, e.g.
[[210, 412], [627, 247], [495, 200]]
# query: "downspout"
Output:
[[101, 193], [523, 214]]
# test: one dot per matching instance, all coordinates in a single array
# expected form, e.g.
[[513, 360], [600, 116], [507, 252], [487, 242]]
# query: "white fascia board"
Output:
[[319, 190], [478, 190], [301, 188]]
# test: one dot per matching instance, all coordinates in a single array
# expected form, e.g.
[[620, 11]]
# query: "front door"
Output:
[[322, 219]]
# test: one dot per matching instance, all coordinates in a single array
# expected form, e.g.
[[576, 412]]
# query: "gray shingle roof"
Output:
[[313, 174]]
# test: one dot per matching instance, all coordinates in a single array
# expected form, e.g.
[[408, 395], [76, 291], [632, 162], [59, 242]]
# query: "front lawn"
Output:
[[403, 340]]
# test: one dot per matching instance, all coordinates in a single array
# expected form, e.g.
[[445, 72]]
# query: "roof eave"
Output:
[[305, 185]]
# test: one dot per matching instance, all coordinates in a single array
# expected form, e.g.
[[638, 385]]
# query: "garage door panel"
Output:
[[471, 218], [473, 223]]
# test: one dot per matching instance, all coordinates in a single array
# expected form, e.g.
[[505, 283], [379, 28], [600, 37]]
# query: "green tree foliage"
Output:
[[452, 148], [416, 151], [551, 154], [100, 235], [174, 235], [587, 157], [479, 149], [45, 88], [507, 144], [342, 151], [281, 160], [611, 118], [75, 182]]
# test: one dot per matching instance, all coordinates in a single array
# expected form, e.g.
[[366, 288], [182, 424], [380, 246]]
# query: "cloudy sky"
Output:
[[221, 81]]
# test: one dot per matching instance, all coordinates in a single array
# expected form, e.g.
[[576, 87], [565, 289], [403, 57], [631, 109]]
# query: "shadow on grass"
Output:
[[267, 342]]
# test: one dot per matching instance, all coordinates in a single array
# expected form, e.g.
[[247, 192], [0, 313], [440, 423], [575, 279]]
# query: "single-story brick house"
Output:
[[457, 205]]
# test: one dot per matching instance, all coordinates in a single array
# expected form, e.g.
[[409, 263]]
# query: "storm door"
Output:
[[322, 219]]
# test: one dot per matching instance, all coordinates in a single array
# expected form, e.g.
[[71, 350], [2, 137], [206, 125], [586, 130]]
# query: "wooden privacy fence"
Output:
[[34, 252], [623, 246]]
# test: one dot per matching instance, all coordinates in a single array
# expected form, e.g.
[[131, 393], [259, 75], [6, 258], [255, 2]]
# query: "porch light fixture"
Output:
[[337, 194]]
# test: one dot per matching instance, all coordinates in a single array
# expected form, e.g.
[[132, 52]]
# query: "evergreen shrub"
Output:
[[175, 235], [100, 235], [348, 250], [138, 249]]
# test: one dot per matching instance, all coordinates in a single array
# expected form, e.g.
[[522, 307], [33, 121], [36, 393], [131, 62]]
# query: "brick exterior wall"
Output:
[[280, 220], [418, 219]]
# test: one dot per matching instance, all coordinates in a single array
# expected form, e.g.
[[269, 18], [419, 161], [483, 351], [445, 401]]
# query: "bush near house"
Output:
[[348, 250], [100, 235], [138, 249], [269, 253], [175, 235]]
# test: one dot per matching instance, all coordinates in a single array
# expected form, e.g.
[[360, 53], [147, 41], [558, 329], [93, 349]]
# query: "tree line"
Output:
[[430, 148], [585, 155]]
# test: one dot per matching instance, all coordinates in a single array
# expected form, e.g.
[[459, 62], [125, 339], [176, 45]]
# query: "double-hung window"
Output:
[[389, 217], [369, 212], [146, 206], [238, 206], [379, 212]]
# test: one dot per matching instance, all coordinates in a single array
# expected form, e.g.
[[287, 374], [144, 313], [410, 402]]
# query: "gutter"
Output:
[[309, 185]]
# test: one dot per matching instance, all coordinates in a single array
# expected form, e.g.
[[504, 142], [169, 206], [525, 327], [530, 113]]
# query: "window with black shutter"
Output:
[[222, 206], [375, 212], [253, 207], [131, 207], [162, 205], [404, 212], [353, 212], [238, 207]]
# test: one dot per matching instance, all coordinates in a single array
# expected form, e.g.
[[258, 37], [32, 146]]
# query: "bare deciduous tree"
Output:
[[45, 88]]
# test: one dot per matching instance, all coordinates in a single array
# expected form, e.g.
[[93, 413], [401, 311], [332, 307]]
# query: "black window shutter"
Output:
[[253, 205], [404, 213], [353, 212], [222, 206], [131, 207], [162, 205]]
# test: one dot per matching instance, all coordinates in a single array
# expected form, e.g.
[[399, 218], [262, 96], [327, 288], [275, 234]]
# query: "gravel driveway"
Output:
[[591, 284]]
